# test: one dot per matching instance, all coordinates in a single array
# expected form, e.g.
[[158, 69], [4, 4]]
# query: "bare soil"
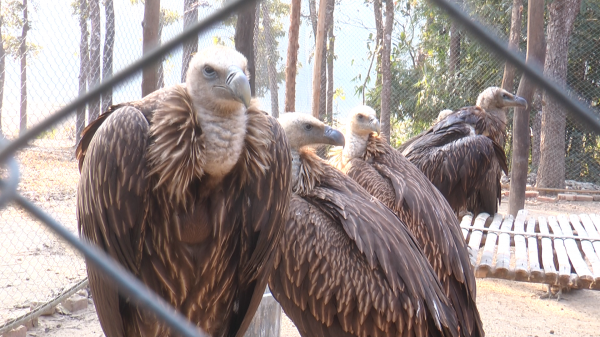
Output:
[[35, 265]]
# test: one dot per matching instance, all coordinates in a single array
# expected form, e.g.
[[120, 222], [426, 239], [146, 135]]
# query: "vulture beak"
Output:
[[376, 125], [239, 85], [334, 137], [520, 101]]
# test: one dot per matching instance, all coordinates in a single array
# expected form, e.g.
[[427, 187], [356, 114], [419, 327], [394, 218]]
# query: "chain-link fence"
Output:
[[55, 64]]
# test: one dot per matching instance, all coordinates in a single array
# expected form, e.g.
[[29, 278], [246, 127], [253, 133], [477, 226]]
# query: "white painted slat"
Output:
[[592, 230], [550, 271], [503, 256], [475, 239], [588, 250], [520, 247], [485, 265], [466, 221], [564, 267], [536, 274]]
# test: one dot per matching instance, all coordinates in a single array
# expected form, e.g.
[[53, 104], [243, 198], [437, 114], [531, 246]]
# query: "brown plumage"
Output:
[[401, 186], [463, 155], [187, 189], [346, 265]]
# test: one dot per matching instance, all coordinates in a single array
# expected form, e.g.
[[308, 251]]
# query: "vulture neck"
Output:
[[356, 146], [499, 113], [307, 169], [296, 163], [224, 135]]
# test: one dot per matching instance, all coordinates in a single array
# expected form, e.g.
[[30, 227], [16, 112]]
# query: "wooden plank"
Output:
[[592, 230], [588, 250], [267, 319], [550, 273], [538, 235], [564, 268], [521, 270], [577, 261], [535, 273], [503, 255], [485, 265], [475, 239], [466, 222]]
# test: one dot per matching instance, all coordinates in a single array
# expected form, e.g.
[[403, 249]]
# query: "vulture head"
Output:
[[443, 114], [362, 120], [305, 130], [220, 71], [493, 100]]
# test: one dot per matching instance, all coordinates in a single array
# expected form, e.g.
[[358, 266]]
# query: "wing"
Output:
[[455, 160], [264, 212], [487, 197], [402, 187], [348, 267], [110, 203]]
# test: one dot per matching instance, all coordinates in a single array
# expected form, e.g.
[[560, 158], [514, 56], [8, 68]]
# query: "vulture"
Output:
[[346, 265], [397, 183], [463, 153], [188, 189]]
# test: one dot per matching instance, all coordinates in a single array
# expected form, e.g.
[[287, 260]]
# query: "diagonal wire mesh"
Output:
[[39, 266]]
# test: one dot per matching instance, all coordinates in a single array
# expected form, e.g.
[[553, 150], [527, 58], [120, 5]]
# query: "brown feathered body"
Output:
[[346, 266], [462, 157], [205, 244], [401, 186]]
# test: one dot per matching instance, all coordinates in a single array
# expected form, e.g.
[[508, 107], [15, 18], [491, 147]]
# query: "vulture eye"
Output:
[[360, 116], [209, 71], [307, 127], [505, 96]]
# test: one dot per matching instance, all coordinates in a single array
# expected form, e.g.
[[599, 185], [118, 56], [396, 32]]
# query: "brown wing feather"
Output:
[[348, 267], [401, 186], [111, 203]]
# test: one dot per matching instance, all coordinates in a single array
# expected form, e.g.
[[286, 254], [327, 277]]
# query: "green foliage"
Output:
[[169, 17], [12, 26]]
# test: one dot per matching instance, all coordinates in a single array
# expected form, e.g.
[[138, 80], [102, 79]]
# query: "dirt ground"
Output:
[[507, 308]]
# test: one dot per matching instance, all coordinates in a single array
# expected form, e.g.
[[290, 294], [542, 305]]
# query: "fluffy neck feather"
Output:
[[223, 140], [356, 145], [307, 169]]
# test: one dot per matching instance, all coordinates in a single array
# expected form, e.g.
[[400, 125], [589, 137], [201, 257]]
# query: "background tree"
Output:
[[167, 18], [190, 47], [292, 57], [80, 9], [244, 39], [150, 40], [2, 69], [551, 172], [23, 57], [109, 43], [454, 65], [520, 129], [330, 58], [94, 69], [320, 46], [271, 58], [386, 78], [323, 59], [508, 80]]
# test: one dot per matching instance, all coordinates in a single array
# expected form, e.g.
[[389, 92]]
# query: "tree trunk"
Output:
[[551, 173], [330, 57], [312, 9], [95, 60], [379, 37], [190, 47], [84, 60], [317, 79], [292, 57], [536, 131], [244, 40], [109, 43], [508, 80], [454, 64], [2, 70], [161, 69], [150, 40], [23, 56], [271, 60], [520, 130], [323, 83], [386, 89]]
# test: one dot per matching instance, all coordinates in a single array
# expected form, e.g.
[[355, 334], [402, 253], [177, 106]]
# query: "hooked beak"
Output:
[[239, 85], [334, 137], [520, 101], [376, 125]]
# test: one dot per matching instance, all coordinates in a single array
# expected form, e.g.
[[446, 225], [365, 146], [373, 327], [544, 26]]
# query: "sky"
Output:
[[52, 74]]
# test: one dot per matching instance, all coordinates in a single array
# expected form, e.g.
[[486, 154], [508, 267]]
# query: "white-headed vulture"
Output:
[[401, 186], [188, 189], [346, 265], [463, 153]]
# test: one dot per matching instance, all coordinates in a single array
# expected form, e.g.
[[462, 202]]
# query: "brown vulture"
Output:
[[463, 153], [188, 189], [346, 265], [397, 183]]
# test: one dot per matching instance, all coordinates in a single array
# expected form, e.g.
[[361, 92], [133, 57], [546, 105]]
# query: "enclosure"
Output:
[[53, 51]]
